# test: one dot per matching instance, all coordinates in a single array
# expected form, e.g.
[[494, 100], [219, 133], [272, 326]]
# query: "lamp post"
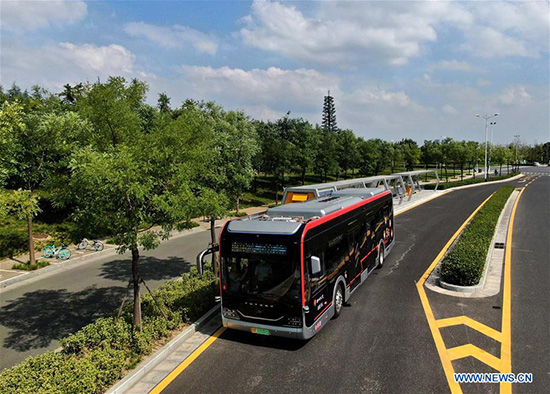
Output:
[[492, 124], [486, 117], [516, 136]]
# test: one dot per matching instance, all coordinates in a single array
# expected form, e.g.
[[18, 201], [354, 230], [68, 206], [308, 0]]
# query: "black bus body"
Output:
[[289, 275]]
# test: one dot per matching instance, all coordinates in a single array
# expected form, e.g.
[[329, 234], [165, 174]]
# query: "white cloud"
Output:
[[347, 33], [173, 36], [20, 15], [350, 33], [450, 109], [52, 66], [301, 89], [514, 95], [453, 65]]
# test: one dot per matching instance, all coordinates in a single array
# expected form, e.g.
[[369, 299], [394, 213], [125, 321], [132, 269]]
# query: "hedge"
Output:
[[470, 181], [97, 355], [12, 241], [464, 264]]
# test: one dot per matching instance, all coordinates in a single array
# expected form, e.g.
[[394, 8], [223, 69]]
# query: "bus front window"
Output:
[[261, 270]]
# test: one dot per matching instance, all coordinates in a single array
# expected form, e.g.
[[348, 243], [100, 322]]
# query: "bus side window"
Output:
[[336, 253]]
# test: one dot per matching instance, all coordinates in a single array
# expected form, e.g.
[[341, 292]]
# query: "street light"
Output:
[[516, 136], [489, 160], [486, 117]]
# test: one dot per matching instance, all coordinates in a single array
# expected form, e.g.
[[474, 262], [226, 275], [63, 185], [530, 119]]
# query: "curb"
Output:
[[156, 358], [494, 263]]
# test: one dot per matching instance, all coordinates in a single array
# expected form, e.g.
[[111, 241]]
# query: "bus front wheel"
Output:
[[338, 301]]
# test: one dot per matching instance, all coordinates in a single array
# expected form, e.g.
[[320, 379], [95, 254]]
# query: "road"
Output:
[[35, 315], [382, 342]]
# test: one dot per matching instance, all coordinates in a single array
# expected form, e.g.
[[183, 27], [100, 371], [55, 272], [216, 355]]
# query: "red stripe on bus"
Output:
[[373, 249], [323, 311], [325, 219]]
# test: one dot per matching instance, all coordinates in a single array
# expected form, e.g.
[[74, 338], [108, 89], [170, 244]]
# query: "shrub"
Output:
[[12, 241], [28, 267], [464, 264]]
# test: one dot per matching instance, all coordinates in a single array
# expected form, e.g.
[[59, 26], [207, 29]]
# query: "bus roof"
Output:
[[287, 219]]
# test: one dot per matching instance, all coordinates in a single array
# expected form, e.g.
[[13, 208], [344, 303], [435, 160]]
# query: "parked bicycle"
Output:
[[62, 252], [95, 244]]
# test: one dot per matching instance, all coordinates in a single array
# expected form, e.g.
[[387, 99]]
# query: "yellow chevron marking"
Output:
[[470, 350], [455, 321]]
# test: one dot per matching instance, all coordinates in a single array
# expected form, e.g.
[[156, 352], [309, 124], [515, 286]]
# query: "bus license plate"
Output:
[[261, 331]]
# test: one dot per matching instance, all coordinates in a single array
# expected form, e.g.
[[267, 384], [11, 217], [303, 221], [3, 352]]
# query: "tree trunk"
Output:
[[474, 172], [446, 173], [461, 171], [303, 176], [508, 167], [213, 242], [277, 192], [135, 280], [500, 172], [32, 257]]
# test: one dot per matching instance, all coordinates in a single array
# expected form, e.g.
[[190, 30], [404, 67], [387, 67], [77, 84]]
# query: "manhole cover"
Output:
[[499, 245]]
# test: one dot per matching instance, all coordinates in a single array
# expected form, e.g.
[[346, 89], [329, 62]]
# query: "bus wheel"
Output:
[[338, 301], [381, 254]]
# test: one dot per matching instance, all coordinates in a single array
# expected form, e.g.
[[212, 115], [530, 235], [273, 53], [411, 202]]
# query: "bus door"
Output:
[[354, 265], [370, 252]]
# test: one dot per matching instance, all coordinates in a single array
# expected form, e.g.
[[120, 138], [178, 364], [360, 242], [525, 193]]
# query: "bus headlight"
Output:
[[230, 313]]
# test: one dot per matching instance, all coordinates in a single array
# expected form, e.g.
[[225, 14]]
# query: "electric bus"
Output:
[[288, 271]]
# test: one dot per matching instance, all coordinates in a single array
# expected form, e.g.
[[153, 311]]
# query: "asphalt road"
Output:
[[531, 285], [35, 315], [382, 343]]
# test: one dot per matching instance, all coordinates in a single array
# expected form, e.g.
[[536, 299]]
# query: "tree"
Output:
[[501, 155], [411, 153], [329, 114], [374, 156], [302, 138], [396, 155], [145, 182], [34, 147], [114, 110], [163, 103], [348, 153], [327, 152]]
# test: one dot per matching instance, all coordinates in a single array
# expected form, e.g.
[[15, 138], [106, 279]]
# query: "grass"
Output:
[[470, 181], [464, 264], [28, 267]]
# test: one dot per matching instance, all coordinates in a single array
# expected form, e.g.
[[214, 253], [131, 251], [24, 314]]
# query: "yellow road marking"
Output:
[[473, 351], [438, 339], [446, 361], [180, 368], [506, 344], [502, 364], [455, 321]]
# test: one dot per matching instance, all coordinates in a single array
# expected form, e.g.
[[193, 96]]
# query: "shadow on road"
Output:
[[247, 338], [150, 268], [39, 317]]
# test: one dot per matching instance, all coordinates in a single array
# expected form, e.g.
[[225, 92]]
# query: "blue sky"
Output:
[[397, 69]]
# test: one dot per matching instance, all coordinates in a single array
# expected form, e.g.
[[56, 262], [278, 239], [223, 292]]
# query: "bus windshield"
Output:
[[260, 269]]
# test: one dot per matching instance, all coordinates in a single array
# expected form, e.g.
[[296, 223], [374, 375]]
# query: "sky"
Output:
[[396, 69]]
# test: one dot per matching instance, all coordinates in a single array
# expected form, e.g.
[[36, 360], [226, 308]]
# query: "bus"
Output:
[[288, 271]]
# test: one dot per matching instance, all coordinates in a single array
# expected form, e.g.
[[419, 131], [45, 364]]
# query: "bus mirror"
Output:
[[315, 265]]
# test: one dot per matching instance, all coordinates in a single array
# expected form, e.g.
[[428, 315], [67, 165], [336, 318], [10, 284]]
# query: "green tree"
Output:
[[411, 153], [327, 152], [34, 148], [348, 152], [140, 184], [329, 114], [302, 139]]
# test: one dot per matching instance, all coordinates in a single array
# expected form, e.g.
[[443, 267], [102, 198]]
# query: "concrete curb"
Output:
[[156, 358], [489, 284]]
